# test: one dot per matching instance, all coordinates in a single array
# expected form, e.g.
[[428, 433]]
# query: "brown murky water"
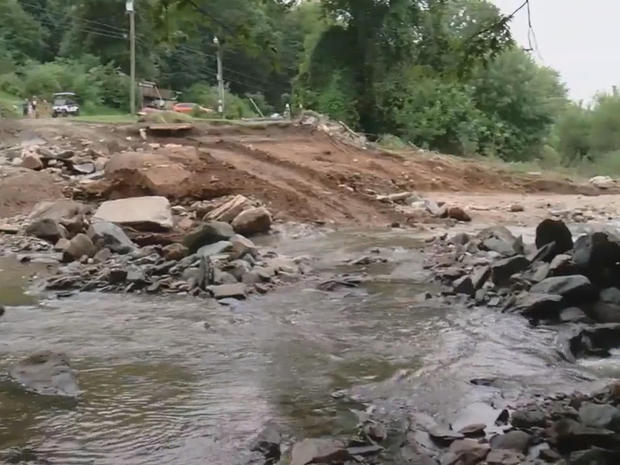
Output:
[[183, 381]]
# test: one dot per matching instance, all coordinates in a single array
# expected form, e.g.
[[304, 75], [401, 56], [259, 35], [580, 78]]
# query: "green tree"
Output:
[[524, 97], [573, 130], [605, 124], [20, 33]]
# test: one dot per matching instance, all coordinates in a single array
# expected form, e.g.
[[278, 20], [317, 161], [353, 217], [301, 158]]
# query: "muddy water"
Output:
[[181, 381]]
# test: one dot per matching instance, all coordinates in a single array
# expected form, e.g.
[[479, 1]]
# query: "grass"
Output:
[[116, 118], [7, 105]]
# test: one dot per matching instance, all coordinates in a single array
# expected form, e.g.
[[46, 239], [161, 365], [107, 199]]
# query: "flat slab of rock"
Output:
[[46, 373], [318, 451], [465, 451], [228, 211], [575, 287], [518, 441], [215, 249], [223, 291], [144, 213]]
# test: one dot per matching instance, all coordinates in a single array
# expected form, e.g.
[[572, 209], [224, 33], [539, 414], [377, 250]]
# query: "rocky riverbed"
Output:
[[374, 317], [91, 249], [555, 281]]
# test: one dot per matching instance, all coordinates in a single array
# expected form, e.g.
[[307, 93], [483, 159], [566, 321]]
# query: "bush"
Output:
[[208, 96], [391, 141], [573, 133], [433, 113], [61, 75], [608, 164], [605, 124], [8, 110], [11, 84], [338, 100]]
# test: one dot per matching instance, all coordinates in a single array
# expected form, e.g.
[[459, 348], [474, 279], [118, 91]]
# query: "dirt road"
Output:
[[301, 172]]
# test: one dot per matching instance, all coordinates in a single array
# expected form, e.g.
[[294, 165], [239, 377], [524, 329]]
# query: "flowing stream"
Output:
[[183, 381]]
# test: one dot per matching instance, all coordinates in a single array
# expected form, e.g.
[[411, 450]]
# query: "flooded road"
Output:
[[184, 381]]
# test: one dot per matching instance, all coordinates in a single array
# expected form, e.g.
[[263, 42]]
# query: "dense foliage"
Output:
[[440, 74]]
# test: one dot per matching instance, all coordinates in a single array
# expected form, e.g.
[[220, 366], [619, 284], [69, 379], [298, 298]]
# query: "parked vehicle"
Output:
[[65, 104]]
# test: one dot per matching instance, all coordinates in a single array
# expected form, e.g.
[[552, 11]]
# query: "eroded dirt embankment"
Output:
[[301, 172]]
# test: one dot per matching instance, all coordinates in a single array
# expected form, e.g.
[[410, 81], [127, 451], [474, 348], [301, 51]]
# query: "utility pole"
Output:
[[132, 46], [220, 77]]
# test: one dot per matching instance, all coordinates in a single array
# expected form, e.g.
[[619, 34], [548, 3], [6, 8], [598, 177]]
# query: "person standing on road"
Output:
[[34, 106], [26, 108]]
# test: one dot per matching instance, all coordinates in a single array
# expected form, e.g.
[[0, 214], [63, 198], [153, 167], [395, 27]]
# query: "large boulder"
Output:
[[175, 252], [46, 229], [571, 288], [46, 373], [108, 235], [208, 233], [596, 340], [252, 221], [554, 231], [607, 309], [602, 182], [502, 270], [600, 248], [499, 239], [68, 213], [31, 160], [599, 415], [539, 306], [79, 246], [58, 210], [143, 213], [228, 211], [242, 245], [457, 213], [604, 312]]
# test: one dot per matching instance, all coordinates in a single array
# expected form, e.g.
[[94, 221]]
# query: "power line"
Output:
[[102, 29], [531, 34], [49, 22], [111, 27], [500, 23]]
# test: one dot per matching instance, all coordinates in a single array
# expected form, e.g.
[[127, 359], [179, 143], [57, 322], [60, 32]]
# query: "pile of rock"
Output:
[[575, 430], [245, 215], [567, 430], [555, 281], [65, 160], [212, 259]]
